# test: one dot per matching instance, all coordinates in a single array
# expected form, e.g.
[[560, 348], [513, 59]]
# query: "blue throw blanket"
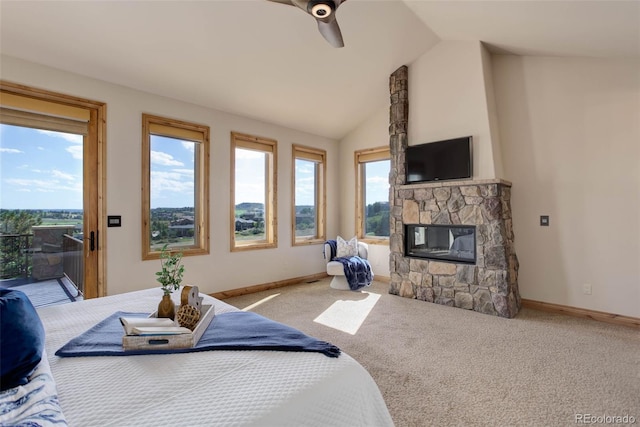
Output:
[[357, 270], [241, 330]]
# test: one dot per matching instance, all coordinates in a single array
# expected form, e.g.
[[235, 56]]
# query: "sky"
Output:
[[377, 179], [43, 170], [40, 169], [172, 172], [305, 178]]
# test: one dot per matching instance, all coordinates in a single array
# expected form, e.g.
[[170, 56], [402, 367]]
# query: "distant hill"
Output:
[[247, 206]]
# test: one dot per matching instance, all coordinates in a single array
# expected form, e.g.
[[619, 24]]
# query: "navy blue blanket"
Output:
[[241, 330], [357, 270]]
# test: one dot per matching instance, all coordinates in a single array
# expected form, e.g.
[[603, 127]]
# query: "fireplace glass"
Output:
[[455, 243]]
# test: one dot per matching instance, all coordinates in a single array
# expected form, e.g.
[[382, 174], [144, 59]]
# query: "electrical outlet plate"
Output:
[[586, 289]]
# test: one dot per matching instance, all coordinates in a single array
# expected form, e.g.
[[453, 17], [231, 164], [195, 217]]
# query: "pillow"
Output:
[[346, 249], [22, 338]]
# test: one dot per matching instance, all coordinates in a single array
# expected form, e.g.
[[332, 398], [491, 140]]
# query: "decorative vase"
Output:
[[166, 308]]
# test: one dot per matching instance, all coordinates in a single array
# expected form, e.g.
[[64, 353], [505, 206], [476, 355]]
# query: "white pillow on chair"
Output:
[[346, 249]]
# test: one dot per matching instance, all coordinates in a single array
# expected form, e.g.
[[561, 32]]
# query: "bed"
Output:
[[212, 388]]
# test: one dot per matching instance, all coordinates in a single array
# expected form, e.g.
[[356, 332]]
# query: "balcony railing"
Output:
[[19, 258], [73, 265]]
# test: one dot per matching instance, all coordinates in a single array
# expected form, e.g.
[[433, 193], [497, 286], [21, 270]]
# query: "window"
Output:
[[253, 192], [175, 187], [372, 194], [308, 207]]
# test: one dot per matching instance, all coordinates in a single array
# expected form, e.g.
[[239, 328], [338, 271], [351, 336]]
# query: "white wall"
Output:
[[221, 270], [570, 132], [566, 132], [447, 99], [374, 132]]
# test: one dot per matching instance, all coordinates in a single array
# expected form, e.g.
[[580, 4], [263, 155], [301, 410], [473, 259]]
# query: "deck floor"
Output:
[[45, 292]]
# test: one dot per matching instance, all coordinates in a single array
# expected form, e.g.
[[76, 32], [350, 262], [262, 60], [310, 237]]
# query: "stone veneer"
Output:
[[491, 285]]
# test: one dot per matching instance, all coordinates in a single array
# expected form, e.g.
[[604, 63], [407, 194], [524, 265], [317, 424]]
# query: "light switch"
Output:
[[544, 220]]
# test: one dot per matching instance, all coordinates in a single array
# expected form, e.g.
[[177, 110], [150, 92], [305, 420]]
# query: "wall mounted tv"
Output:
[[440, 161]]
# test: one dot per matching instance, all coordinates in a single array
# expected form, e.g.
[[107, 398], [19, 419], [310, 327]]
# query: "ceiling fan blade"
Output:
[[289, 2], [331, 32]]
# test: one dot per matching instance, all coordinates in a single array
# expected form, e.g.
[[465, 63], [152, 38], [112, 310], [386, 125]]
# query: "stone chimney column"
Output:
[[398, 121]]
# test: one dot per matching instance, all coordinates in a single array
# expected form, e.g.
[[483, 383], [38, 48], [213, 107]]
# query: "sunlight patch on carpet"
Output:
[[348, 316], [262, 301]]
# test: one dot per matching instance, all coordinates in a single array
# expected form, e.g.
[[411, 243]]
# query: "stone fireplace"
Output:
[[487, 282]]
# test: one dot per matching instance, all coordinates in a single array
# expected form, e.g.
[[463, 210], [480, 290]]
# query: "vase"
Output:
[[167, 308]]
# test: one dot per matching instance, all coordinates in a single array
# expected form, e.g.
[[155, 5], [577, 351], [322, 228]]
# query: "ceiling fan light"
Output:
[[321, 10]]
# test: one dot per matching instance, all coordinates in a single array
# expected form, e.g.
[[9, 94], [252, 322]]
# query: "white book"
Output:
[[159, 323], [160, 330]]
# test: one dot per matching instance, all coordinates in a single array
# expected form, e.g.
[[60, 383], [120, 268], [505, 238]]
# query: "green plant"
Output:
[[170, 276]]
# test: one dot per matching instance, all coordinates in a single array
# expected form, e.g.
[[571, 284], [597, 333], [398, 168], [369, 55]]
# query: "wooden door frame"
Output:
[[96, 171]]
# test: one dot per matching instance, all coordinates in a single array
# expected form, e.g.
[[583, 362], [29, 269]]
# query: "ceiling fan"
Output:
[[325, 13]]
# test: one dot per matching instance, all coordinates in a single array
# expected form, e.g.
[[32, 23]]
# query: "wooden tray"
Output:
[[162, 342]]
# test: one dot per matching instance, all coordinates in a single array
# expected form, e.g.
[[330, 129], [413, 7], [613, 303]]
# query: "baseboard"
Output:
[[383, 279], [266, 286], [600, 316]]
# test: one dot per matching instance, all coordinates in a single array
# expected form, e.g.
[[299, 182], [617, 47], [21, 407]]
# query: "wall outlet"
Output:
[[586, 289]]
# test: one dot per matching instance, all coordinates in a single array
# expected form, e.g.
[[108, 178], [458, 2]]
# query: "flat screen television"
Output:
[[440, 161]]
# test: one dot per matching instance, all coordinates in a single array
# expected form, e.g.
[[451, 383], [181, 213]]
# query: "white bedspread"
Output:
[[212, 388]]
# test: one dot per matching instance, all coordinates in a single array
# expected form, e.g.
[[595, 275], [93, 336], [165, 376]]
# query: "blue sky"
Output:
[[377, 177], [305, 178], [172, 167], [40, 169]]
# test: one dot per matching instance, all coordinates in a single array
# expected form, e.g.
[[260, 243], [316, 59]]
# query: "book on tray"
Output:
[[151, 326]]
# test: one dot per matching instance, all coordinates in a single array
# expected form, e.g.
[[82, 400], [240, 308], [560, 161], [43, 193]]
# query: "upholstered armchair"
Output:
[[336, 269]]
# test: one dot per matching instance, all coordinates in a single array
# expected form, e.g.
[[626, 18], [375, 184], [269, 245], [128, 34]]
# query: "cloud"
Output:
[[44, 186], [187, 172], [76, 139], [305, 167], [241, 153], [378, 180], [10, 151], [63, 175], [164, 159], [189, 146], [76, 151], [249, 192], [249, 176], [170, 181]]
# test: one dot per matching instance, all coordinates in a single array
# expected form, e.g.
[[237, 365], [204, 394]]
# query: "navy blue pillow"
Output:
[[21, 338]]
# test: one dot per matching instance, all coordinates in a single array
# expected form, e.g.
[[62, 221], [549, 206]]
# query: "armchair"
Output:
[[336, 269]]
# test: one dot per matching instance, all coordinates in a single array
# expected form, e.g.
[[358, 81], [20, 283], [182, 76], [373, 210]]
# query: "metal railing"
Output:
[[15, 255], [73, 264]]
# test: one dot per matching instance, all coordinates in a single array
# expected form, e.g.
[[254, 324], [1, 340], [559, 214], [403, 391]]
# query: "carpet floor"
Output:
[[442, 366]]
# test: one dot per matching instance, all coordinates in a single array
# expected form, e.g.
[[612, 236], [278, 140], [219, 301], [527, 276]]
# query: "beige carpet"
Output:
[[441, 366]]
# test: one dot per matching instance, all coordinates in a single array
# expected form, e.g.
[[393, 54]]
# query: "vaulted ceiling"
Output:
[[267, 61]]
